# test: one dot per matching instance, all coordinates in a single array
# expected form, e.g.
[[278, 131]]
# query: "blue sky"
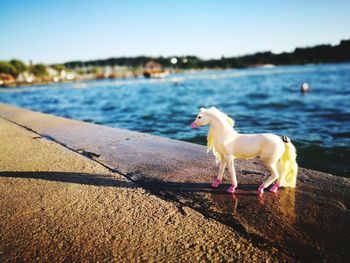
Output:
[[54, 31]]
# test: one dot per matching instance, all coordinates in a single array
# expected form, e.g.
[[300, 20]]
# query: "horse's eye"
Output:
[[199, 117]]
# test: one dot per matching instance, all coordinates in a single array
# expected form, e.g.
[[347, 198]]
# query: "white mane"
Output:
[[210, 138]]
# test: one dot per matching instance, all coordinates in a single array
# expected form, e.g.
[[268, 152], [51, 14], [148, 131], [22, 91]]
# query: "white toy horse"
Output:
[[278, 154]]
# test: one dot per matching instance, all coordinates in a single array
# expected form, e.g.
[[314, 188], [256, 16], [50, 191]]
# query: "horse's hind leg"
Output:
[[277, 184], [274, 175], [221, 173]]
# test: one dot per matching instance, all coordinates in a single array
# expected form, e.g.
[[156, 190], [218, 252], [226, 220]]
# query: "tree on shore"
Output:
[[39, 70], [59, 67], [7, 68], [18, 65]]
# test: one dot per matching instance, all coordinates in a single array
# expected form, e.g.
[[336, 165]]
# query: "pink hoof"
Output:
[[261, 189], [274, 188], [232, 189], [216, 183]]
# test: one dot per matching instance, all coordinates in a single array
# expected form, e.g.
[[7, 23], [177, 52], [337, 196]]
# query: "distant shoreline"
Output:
[[126, 75], [15, 73], [130, 75]]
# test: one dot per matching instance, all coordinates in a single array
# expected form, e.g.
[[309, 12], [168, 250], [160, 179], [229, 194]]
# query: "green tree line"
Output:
[[15, 67], [317, 54], [300, 56]]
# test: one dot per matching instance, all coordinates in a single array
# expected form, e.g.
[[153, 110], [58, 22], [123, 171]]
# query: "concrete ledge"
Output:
[[310, 222]]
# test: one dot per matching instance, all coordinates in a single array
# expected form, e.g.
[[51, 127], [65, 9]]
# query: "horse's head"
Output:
[[204, 115], [201, 120]]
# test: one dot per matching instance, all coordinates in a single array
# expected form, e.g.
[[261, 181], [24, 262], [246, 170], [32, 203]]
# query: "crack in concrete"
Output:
[[245, 172], [90, 155]]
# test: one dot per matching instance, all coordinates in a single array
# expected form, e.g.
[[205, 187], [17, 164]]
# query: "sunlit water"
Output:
[[260, 100]]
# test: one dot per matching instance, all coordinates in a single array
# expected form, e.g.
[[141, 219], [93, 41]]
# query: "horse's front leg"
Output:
[[221, 173], [231, 167]]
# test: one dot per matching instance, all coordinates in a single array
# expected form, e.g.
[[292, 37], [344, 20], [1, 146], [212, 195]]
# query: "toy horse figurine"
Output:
[[278, 154]]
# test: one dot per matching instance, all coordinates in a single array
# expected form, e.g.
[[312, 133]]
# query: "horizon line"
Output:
[[187, 55]]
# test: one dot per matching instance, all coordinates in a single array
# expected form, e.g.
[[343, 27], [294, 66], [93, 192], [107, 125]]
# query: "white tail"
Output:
[[287, 166]]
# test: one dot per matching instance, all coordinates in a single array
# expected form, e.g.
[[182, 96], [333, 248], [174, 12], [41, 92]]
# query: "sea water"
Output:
[[259, 100]]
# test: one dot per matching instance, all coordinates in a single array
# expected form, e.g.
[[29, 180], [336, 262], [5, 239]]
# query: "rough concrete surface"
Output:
[[56, 205], [197, 223]]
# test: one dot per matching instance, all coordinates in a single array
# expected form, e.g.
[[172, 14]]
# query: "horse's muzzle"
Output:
[[194, 125]]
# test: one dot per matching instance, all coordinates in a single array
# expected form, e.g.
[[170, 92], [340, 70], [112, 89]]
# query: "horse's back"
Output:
[[245, 146], [271, 138]]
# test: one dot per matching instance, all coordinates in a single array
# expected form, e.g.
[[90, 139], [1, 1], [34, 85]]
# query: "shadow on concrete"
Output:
[[284, 220], [212, 203], [70, 177], [110, 181]]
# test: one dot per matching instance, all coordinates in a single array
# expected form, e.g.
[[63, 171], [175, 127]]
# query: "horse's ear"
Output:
[[230, 121], [202, 110]]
